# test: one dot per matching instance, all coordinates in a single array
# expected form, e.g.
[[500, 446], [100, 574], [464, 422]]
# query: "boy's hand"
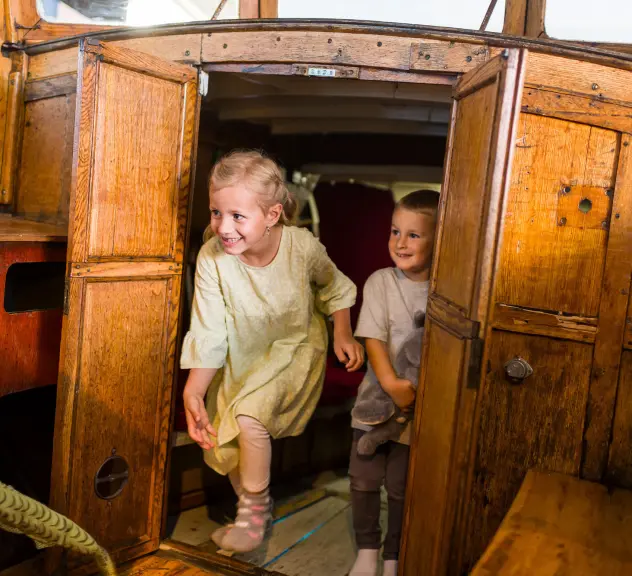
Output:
[[199, 428], [349, 351], [402, 393]]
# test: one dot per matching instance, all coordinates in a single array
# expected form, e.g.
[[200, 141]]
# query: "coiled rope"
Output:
[[23, 515]]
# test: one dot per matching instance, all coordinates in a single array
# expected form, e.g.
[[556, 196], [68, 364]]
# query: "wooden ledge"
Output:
[[20, 230], [565, 526]]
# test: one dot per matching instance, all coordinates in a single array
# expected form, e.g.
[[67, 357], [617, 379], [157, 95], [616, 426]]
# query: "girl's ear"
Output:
[[274, 213]]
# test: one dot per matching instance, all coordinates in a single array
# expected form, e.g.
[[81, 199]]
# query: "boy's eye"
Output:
[[238, 217], [394, 232], [215, 213], [413, 235]]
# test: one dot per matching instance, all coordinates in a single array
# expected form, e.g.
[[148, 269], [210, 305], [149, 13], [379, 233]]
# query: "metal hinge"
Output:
[[66, 295], [203, 83], [474, 366]]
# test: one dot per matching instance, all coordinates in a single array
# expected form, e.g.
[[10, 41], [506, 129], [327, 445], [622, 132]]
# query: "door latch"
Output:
[[517, 370]]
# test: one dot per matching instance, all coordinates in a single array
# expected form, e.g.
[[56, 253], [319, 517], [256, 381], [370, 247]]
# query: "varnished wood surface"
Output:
[[527, 321], [12, 136], [426, 529], [564, 526], [536, 423], [21, 230], [619, 471], [579, 77], [433, 55], [615, 295], [583, 109], [129, 207], [50, 87], [553, 255], [44, 177]]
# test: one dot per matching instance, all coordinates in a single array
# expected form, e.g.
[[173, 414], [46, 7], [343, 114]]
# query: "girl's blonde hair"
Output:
[[260, 175]]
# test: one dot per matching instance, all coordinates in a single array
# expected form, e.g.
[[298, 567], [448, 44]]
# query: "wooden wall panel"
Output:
[[139, 195], [471, 145], [122, 349], [444, 356], [553, 254], [620, 462], [43, 187], [536, 424]]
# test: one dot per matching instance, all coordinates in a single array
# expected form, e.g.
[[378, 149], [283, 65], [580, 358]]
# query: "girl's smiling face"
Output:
[[240, 221], [412, 242]]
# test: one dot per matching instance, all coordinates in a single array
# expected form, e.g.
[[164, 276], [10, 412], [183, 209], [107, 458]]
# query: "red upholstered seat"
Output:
[[355, 225]]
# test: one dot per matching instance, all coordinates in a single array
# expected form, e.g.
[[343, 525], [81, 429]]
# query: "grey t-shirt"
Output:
[[384, 316]]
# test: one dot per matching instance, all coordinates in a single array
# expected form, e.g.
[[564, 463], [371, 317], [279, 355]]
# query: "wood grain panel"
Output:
[[538, 423], [12, 133], [471, 144], [612, 319], [54, 63], [43, 191], [440, 386], [123, 269], [20, 230], [553, 255], [334, 48], [134, 196], [564, 526], [432, 55], [515, 319], [619, 470], [121, 350], [579, 77], [581, 109], [50, 87]]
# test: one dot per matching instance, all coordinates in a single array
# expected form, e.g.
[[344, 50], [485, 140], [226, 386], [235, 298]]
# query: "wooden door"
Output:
[[560, 296], [486, 105], [134, 133]]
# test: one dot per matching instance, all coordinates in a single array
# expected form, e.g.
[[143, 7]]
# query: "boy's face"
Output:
[[412, 241]]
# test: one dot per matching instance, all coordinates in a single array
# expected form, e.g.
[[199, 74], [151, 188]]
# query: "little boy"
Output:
[[392, 315]]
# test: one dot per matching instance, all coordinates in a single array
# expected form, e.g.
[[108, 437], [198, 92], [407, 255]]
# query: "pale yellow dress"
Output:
[[264, 327]]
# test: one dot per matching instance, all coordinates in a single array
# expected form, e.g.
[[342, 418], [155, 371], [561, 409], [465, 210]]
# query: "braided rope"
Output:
[[23, 515]]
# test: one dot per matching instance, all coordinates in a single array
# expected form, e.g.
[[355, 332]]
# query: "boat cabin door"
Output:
[[136, 120], [528, 301]]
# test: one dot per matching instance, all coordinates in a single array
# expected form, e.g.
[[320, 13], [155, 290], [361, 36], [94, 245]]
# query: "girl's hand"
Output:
[[402, 392], [199, 428], [349, 351]]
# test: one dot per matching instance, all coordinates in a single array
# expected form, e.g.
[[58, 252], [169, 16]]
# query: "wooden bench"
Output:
[[560, 525]]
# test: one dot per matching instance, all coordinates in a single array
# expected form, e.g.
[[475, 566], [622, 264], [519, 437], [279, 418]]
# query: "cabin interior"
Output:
[[520, 462]]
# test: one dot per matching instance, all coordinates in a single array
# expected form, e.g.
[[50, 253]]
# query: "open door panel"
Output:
[[485, 110], [134, 132]]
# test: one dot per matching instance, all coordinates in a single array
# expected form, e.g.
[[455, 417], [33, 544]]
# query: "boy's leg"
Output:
[[396, 472], [367, 476], [254, 511]]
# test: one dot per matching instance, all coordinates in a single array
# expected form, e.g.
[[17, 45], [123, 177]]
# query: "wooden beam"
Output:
[[515, 17], [534, 24], [248, 9], [267, 108], [268, 8], [355, 126]]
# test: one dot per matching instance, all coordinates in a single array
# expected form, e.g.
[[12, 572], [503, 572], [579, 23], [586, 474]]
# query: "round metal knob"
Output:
[[517, 369]]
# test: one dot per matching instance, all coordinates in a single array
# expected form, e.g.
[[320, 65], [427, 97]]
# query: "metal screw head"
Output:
[[427, 56], [562, 222], [187, 52], [468, 58], [225, 45], [4, 192], [595, 86], [379, 44]]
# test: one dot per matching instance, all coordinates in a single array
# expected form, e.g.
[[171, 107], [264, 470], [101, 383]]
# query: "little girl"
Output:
[[258, 336]]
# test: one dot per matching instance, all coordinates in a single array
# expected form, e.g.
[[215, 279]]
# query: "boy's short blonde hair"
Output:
[[420, 201]]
